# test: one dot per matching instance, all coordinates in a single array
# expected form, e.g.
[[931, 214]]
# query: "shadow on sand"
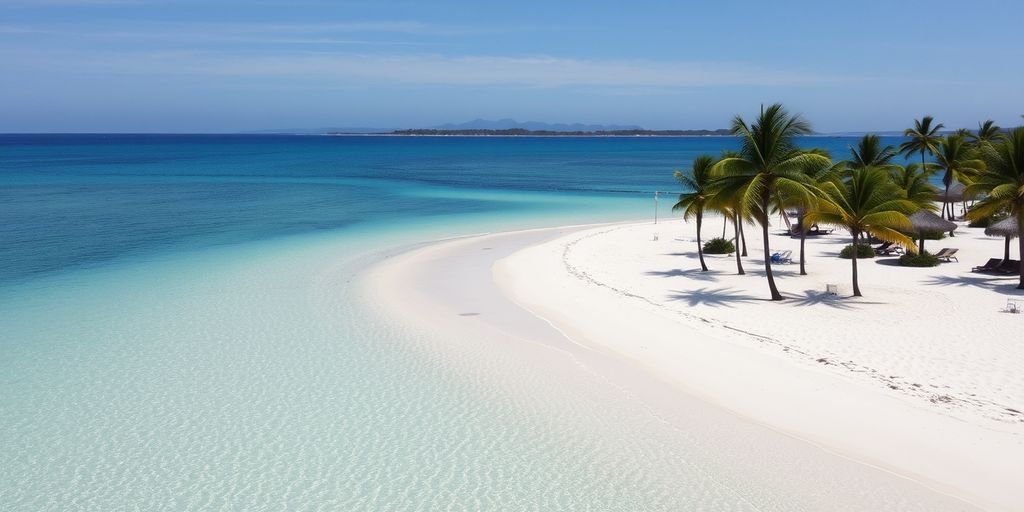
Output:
[[693, 273], [1000, 284], [713, 297], [815, 297]]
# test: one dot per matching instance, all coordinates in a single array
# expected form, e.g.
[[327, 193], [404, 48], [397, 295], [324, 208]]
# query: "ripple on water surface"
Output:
[[246, 379]]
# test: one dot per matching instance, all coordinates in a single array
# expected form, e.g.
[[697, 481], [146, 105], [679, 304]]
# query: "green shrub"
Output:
[[934, 235], [863, 251], [719, 246], [924, 259], [985, 221]]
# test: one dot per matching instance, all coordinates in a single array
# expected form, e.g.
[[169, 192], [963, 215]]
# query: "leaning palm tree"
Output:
[[727, 203], [987, 133], [867, 202], [1003, 182], [728, 206], [959, 162], [768, 165], [694, 202], [924, 138]]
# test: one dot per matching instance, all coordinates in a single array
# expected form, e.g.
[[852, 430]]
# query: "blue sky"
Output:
[[215, 66]]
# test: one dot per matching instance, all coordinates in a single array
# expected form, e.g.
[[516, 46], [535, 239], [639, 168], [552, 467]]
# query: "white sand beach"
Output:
[[912, 392]]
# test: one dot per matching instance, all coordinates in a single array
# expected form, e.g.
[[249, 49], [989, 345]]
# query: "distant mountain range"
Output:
[[319, 131], [513, 132]]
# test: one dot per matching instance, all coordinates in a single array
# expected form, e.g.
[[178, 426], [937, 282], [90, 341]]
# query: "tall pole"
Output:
[[655, 207]]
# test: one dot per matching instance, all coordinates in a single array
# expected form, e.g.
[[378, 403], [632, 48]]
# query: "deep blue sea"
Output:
[[182, 328]]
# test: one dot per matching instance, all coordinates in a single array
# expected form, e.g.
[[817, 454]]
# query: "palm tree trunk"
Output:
[[700, 245], [803, 238], [945, 205], [768, 251], [743, 235], [1020, 245], [725, 224], [856, 285], [946, 201], [739, 263]]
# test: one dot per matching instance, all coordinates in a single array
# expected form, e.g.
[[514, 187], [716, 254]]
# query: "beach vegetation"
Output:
[[984, 222], [768, 165], [929, 235], [863, 251], [719, 246], [867, 201], [870, 153], [912, 179], [923, 138], [918, 259], [698, 196], [987, 133], [729, 204], [817, 173], [958, 161], [1002, 180]]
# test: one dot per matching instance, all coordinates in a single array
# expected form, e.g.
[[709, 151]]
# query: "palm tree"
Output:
[[958, 161], [924, 138], [727, 206], [1003, 181], [866, 202], [693, 203], [915, 186], [870, 153], [987, 132], [768, 165], [818, 173], [728, 209]]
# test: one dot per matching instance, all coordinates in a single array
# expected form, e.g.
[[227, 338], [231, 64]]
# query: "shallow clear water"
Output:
[[180, 332]]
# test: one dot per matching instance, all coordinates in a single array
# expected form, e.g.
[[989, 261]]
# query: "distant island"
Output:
[[503, 128], [434, 132]]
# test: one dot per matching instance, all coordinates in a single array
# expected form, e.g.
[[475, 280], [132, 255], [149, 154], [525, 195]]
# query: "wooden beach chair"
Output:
[[947, 254], [888, 249], [990, 266], [1008, 267]]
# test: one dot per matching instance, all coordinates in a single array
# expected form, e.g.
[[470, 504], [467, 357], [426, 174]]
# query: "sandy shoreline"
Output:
[[871, 380]]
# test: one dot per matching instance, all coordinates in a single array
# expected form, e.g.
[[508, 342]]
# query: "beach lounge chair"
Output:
[[1009, 267], [813, 231], [990, 266], [782, 257], [947, 254], [888, 249]]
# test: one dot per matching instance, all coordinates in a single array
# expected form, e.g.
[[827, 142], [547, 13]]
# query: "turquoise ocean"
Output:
[[179, 329]]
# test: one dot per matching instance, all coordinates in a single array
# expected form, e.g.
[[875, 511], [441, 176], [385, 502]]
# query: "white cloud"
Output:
[[533, 71]]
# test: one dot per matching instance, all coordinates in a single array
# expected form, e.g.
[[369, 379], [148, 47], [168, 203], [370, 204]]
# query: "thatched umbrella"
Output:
[[1006, 228], [925, 221], [955, 194]]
